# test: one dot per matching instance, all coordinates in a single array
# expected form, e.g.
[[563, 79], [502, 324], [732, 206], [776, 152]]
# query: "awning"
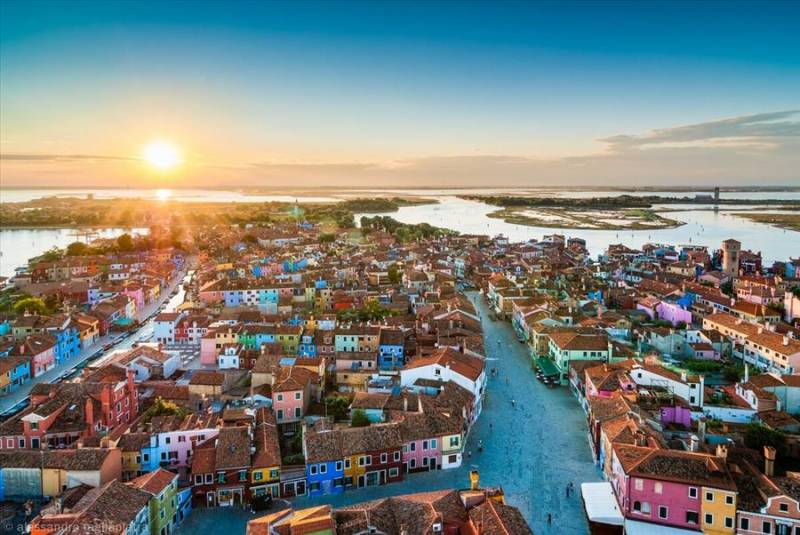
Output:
[[601, 504], [547, 366], [636, 527]]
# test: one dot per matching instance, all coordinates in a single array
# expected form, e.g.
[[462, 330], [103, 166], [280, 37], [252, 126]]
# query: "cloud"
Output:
[[752, 149], [746, 128], [63, 157]]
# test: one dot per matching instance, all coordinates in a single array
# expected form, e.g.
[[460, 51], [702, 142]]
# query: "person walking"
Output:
[[549, 519]]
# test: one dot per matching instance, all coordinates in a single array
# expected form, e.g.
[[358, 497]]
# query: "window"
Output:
[[412, 463], [347, 464], [658, 488], [413, 446], [312, 469], [280, 414], [393, 472], [338, 482], [424, 444], [384, 458], [221, 477], [452, 458], [280, 397], [454, 441], [744, 524], [297, 412], [784, 507], [638, 484], [314, 487], [645, 508], [728, 522], [433, 443], [242, 475], [709, 518], [323, 468], [663, 512], [729, 499], [198, 479], [405, 448], [297, 395], [691, 517], [693, 492], [766, 527], [167, 440], [709, 496], [182, 438], [209, 479], [338, 466], [396, 456], [637, 506], [258, 475]]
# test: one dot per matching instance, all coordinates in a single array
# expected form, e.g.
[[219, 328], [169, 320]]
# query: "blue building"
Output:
[[391, 349], [14, 371], [325, 477]]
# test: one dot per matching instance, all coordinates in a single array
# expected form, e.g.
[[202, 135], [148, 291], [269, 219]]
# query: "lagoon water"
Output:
[[18, 245], [703, 227]]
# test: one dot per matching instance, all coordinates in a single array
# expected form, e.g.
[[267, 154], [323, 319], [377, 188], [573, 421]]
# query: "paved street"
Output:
[[6, 402], [532, 450]]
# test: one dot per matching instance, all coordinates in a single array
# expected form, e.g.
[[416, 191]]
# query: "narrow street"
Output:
[[145, 330], [533, 451]]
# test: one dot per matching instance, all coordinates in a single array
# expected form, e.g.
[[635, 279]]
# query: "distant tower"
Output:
[[716, 195], [730, 257]]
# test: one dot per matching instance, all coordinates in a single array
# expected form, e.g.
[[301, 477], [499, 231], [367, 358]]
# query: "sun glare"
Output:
[[162, 155]]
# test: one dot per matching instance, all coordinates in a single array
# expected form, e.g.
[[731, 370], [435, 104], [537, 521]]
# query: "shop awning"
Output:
[[547, 366], [601, 504], [636, 527]]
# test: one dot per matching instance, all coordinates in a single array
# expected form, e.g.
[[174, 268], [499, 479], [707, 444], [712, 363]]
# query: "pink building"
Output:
[[677, 415], [673, 313], [291, 393], [40, 349]]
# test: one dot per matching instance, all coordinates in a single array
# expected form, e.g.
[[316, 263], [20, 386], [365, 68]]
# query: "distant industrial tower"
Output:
[[730, 257]]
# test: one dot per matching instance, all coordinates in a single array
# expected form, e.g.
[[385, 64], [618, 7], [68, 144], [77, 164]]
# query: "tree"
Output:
[[758, 435], [162, 407], [77, 248], [732, 373], [34, 305], [125, 242], [52, 255], [394, 274], [336, 407], [328, 237], [359, 418]]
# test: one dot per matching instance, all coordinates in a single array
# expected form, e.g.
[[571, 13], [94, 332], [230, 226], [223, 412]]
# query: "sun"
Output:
[[162, 155]]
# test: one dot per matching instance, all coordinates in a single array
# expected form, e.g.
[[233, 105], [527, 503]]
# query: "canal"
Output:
[[532, 450]]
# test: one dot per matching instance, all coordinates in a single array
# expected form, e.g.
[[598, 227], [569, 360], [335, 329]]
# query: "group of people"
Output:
[[570, 490]]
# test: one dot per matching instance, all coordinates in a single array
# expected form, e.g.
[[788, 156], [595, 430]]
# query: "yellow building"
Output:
[[719, 511], [353, 470]]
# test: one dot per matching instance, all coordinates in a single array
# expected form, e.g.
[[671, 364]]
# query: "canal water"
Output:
[[533, 451]]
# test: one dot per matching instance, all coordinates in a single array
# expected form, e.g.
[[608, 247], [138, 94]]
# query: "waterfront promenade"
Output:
[[51, 376], [533, 451]]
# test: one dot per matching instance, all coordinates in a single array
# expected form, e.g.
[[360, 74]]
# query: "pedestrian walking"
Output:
[[549, 519], [567, 490]]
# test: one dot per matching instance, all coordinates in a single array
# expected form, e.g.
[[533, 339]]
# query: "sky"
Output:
[[455, 94]]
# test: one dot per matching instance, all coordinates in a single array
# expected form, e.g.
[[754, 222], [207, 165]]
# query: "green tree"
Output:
[[757, 436], [52, 255], [359, 418], [161, 407], [394, 274], [336, 407], [732, 373], [77, 248], [125, 242], [34, 305], [328, 237]]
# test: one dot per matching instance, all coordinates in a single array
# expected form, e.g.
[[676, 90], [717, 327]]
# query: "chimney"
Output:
[[694, 443], [786, 340], [474, 479], [722, 451], [405, 402], [769, 461], [683, 376]]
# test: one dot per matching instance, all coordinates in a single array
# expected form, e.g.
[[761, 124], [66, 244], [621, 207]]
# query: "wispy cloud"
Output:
[[748, 128], [64, 157]]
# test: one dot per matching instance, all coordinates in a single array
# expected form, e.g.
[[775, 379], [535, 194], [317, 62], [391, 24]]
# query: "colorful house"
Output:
[[162, 486], [265, 476]]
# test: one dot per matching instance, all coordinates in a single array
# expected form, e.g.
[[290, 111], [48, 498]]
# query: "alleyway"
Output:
[[533, 451]]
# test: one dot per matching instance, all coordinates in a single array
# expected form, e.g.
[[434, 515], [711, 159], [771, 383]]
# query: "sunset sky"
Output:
[[400, 94]]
